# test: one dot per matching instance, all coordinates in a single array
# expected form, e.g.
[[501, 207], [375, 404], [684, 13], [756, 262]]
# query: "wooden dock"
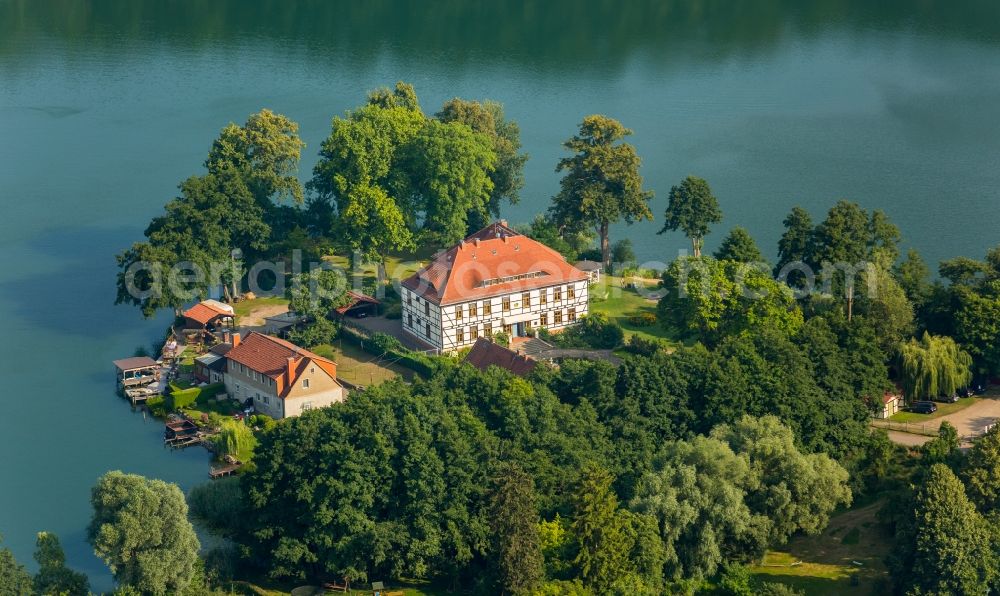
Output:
[[222, 472]]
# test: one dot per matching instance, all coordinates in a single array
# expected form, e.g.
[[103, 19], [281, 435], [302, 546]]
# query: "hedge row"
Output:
[[184, 398]]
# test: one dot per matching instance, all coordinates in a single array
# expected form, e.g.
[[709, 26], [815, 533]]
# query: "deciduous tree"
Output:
[[53, 576], [692, 208], [487, 118], [796, 491], [601, 184], [265, 151], [14, 578], [448, 169], [141, 531]]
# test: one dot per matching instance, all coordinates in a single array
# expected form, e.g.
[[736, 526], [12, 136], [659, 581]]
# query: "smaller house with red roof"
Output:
[[485, 353], [495, 280], [209, 315], [282, 379]]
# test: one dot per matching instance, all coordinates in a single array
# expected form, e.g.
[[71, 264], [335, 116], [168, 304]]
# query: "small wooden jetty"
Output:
[[140, 394], [223, 471], [231, 466]]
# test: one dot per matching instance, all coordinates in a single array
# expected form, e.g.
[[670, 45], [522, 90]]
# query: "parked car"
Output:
[[947, 399], [923, 407]]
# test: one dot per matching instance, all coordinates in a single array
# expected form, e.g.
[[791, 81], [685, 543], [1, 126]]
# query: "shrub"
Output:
[[643, 347], [261, 421], [645, 319], [501, 338], [385, 343], [595, 331], [394, 311], [157, 406], [320, 331]]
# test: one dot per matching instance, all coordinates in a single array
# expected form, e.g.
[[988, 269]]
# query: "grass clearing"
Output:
[[251, 309], [620, 303], [828, 562], [942, 410], [356, 366]]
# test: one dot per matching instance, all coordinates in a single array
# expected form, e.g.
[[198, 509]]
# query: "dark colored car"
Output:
[[947, 399], [923, 407]]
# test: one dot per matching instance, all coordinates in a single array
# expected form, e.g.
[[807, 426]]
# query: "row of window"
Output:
[[426, 326], [260, 377], [544, 320], [427, 304], [251, 374], [543, 300]]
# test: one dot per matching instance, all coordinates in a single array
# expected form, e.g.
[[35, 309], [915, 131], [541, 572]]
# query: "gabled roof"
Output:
[[485, 354], [269, 356], [489, 263], [356, 299], [588, 265], [207, 310]]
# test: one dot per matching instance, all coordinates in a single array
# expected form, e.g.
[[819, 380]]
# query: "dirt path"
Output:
[[256, 316]]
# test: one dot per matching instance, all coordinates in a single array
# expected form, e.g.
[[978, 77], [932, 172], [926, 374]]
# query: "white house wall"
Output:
[[444, 324]]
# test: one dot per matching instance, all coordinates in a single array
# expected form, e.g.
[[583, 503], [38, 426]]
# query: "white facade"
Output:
[[458, 325]]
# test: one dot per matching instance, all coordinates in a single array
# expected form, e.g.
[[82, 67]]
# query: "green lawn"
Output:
[[622, 303], [846, 558], [942, 410], [356, 366]]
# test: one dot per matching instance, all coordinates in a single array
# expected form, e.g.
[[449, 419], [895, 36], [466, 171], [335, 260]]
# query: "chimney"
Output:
[[476, 240], [227, 337], [236, 340], [290, 371], [503, 222]]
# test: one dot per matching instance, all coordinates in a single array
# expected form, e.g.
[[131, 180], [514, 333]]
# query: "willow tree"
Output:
[[602, 184], [933, 366], [234, 439]]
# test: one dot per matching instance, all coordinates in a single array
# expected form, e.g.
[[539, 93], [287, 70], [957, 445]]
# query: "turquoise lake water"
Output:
[[105, 106]]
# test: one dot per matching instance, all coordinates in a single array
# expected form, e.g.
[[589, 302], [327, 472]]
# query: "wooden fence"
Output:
[[929, 429]]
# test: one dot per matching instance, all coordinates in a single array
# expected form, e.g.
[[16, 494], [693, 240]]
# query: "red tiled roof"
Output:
[[485, 354], [888, 397], [496, 251], [269, 356], [356, 299], [204, 313]]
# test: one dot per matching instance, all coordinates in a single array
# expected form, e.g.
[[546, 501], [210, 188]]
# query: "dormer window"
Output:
[[509, 278]]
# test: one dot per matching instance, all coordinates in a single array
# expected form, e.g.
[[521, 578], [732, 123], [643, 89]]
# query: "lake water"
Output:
[[105, 106]]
